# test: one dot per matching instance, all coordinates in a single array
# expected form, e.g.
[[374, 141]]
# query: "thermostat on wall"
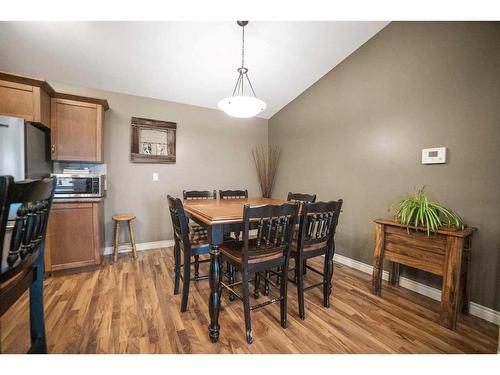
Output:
[[436, 155]]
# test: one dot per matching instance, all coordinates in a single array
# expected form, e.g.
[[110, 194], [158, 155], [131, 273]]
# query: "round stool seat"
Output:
[[123, 217]]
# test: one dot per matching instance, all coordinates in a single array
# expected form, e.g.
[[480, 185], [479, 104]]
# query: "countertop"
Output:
[[78, 200]]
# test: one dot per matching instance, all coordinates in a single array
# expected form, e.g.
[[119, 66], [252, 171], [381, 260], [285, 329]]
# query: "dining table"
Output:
[[219, 216]]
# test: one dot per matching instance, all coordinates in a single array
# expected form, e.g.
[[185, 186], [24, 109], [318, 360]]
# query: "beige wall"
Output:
[[357, 134], [213, 151]]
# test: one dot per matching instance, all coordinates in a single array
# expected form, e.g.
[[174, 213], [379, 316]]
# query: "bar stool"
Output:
[[117, 219]]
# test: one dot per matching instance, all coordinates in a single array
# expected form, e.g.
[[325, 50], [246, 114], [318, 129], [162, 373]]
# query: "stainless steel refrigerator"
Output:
[[24, 149], [24, 154]]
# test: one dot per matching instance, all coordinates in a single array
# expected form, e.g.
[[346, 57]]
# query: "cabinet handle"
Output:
[[53, 148]]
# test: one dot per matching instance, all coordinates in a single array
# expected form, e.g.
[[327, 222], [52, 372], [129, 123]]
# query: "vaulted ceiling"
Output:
[[186, 62]]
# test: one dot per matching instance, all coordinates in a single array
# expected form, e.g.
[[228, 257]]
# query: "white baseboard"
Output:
[[480, 311], [475, 309], [127, 247]]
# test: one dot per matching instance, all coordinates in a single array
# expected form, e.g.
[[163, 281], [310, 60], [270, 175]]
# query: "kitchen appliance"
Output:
[[24, 154], [79, 186], [24, 149]]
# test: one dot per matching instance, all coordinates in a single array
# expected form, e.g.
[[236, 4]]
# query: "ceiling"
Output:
[[186, 62]]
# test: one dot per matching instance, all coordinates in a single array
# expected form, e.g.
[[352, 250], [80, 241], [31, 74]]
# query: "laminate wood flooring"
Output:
[[129, 307]]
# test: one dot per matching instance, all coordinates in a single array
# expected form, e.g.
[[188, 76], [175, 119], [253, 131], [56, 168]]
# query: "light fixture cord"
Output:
[[243, 47], [240, 83]]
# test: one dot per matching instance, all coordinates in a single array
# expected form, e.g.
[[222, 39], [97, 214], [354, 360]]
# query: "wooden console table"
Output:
[[446, 253]]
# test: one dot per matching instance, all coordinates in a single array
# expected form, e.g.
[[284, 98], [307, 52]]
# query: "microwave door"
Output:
[[64, 186], [73, 187]]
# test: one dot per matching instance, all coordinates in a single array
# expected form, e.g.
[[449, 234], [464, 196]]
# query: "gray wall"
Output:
[[213, 151], [358, 133]]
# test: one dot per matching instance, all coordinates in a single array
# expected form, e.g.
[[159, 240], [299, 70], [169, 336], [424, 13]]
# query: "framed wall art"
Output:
[[152, 141]]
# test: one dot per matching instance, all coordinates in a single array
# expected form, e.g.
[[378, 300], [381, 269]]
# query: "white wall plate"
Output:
[[436, 155]]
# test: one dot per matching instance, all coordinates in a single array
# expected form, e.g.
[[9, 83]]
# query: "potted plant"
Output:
[[419, 211], [407, 241]]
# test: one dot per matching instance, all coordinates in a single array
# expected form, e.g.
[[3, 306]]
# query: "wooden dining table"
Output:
[[219, 216]]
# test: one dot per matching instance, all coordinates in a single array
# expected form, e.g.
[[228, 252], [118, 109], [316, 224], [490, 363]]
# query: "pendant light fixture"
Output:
[[242, 103]]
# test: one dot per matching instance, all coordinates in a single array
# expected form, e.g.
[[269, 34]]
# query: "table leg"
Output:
[[117, 238], [451, 282], [466, 282], [394, 273], [378, 258], [215, 292]]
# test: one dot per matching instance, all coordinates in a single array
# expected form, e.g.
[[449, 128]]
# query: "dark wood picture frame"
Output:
[[139, 124]]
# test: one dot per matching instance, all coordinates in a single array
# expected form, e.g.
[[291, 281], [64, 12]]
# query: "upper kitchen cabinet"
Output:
[[25, 97], [77, 125]]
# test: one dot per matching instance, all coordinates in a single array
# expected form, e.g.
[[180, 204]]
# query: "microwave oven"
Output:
[[79, 186]]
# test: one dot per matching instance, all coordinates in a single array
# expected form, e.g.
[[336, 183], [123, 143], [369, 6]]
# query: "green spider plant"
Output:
[[419, 210]]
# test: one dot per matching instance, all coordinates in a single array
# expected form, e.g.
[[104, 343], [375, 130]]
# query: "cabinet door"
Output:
[[16, 100], [24, 101], [76, 130], [72, 235]]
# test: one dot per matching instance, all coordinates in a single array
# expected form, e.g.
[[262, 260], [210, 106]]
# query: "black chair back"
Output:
[[179, 222], [199, 194], [34, 200], [233, 194], [275, 224], [22, 261], [318, 222], [190, 246], [300, 197]]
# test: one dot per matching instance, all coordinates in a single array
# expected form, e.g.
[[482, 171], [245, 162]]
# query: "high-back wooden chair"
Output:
[[22, 263], [233, 194], [316, 237], [199, 194], [189, 247], [269, 249], [196, 231], [301, 197], [292, 197]]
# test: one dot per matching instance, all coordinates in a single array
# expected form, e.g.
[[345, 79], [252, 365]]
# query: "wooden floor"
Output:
[[129, 307]]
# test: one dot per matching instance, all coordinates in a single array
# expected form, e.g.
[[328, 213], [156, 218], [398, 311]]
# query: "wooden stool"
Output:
[[128, 218]]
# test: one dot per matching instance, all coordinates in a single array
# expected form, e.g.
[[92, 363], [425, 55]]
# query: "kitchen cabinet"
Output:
[[74, 235], [77, 125], [76, 122], [26, 98]]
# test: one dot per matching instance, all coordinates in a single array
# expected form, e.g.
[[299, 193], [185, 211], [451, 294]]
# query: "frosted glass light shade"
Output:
[[242, 106]]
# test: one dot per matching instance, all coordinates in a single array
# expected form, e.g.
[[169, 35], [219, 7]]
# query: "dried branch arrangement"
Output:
[[266, 160]]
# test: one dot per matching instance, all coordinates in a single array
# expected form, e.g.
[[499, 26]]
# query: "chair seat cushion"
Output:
[[233, 250], [309, 247]]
